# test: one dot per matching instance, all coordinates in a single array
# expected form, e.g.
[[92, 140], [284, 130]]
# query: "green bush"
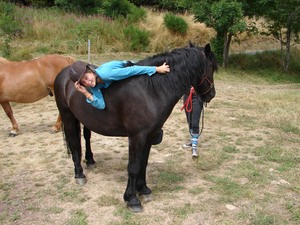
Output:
[[81, 6], [22, 54], [169, 5], [6, 48], [175, 24], [175, 5], [42, 3], [122, 8], [116, 8], [139, 39], [8, 24], [136, 14]]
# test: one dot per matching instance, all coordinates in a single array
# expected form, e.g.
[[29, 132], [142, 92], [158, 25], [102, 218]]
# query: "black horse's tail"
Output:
[[66, 140]]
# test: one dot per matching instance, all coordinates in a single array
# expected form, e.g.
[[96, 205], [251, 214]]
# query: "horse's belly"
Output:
[[28, 97]]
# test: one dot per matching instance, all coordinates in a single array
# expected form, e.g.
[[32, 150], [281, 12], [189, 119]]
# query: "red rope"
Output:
[[188, 105]]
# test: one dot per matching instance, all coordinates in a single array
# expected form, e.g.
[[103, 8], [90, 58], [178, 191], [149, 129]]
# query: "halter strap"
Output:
[[210, 86]]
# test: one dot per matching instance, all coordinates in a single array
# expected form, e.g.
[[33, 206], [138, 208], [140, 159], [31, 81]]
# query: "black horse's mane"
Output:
[[186, 65]]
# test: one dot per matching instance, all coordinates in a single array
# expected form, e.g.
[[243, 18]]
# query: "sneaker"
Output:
[[194, 153], [187, 145]]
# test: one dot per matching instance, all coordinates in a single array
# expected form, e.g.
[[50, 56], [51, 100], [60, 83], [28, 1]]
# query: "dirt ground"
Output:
[[37, 183]]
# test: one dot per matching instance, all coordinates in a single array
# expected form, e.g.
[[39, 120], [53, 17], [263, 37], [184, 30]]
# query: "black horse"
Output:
[[136, 107]]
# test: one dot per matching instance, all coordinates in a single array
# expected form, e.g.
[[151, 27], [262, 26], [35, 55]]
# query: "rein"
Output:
[[202, 127], [188, 105]]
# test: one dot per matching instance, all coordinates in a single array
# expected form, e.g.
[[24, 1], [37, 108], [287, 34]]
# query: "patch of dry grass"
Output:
[[162, 39]]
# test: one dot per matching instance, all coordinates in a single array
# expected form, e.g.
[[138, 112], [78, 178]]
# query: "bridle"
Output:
[[205, 78], [211, 84]]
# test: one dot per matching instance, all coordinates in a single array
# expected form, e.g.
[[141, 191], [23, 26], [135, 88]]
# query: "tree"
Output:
[[227, 18], [283, 23]]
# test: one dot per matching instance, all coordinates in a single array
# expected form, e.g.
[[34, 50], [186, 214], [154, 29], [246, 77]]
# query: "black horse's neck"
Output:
[[186, 69]]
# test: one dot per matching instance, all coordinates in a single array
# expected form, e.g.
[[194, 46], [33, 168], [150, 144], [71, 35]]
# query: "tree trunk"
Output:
[[227, 41]]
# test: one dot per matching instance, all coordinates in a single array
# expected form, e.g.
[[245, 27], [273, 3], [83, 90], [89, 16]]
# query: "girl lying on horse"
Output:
[[104, 75]]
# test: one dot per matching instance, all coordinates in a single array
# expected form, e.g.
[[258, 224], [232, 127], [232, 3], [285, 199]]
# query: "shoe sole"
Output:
[[186, 146]]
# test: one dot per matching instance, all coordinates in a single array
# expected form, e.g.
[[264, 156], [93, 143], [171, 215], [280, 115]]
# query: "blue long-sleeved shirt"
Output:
[[114, 71]]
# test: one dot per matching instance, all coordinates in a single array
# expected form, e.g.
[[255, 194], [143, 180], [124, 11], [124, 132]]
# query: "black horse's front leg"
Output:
[[142, 187], [141, 181], [136, 147]]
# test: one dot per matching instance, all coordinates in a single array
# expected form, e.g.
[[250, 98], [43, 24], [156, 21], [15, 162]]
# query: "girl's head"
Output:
[[82, 73], [88, 79]]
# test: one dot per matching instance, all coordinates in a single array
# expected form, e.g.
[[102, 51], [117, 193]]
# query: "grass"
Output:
[[229, 189], [78, 217], [105, 200], [249, 159], [168, 181]]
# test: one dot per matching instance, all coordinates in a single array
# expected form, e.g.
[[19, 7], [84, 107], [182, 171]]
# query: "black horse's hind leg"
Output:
[[89, 157], [72, 134]]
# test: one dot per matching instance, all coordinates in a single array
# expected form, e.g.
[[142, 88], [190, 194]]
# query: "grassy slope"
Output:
[[48, 30]]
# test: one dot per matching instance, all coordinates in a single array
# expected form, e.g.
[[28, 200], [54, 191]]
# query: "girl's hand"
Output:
[[164, 68], [80, 88]]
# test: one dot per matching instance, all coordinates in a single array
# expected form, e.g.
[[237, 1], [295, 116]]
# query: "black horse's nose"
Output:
[[209, 96]]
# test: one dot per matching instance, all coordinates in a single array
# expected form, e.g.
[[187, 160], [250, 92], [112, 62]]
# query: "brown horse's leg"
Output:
[[10, 114], [57, 126]]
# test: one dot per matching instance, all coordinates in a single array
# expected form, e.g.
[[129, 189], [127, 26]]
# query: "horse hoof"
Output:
[[91, 166], [12, 134], [135, 208], [135, 205], [55, 130], [146, 198], [81, 181]]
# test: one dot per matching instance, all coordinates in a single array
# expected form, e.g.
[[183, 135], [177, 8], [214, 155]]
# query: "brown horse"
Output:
[[29, 81]]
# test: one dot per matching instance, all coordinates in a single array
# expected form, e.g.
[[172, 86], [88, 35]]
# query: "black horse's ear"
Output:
[[207, 50], [191, 45]]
